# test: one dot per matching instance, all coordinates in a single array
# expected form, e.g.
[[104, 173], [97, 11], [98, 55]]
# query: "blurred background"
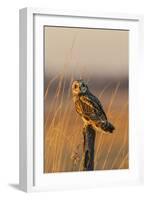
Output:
[[100, 57]]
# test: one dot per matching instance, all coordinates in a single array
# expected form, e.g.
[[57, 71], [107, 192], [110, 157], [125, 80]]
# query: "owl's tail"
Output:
[[107, 127]]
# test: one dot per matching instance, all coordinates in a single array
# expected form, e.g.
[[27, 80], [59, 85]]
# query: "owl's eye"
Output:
[[76, 86]]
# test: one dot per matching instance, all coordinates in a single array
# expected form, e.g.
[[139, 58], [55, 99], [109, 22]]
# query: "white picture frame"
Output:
[[31, 175]]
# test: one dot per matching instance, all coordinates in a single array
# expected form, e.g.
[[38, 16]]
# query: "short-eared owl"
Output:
[[89, 107]]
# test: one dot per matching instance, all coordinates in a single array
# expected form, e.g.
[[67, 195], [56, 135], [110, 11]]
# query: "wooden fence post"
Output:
[[88, 147]]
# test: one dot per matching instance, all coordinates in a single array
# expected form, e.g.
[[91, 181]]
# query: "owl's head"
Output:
[[79, 87]]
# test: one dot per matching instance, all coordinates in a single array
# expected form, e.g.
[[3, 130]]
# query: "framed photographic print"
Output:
[[79, 99]]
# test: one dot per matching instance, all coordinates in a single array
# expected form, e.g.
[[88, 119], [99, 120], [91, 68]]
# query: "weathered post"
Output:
[[88, 148]]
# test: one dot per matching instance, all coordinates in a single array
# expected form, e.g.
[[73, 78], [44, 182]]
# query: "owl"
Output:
[[89, 107]]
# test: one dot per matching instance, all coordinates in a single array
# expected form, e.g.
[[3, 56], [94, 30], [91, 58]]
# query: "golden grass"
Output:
[[63, 139]]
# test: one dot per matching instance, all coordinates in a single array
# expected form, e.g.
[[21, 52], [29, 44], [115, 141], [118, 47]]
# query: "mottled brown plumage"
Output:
[[89, 107]]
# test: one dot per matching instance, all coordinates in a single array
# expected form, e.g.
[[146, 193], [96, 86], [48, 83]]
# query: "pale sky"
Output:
[[98, 51]]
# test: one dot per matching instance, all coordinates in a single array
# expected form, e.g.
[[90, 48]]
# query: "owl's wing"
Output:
[[92, 108]]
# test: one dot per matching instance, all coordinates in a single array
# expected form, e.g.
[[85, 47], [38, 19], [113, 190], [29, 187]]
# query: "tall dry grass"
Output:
[[63, 139]]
